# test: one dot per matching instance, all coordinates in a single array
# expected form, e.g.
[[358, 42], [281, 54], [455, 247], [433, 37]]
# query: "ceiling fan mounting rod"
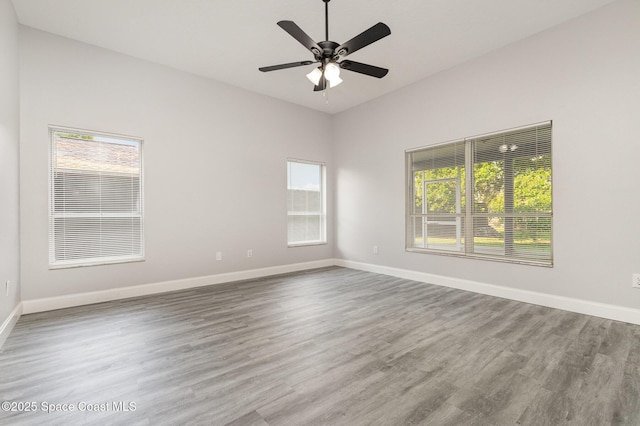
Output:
[[326, 19]]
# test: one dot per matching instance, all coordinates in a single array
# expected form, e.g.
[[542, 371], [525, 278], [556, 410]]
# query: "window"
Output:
[[486, 197], [95, 203], [306, 217]]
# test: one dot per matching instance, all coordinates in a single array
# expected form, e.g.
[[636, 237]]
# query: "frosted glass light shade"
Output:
[[333, 82], [314, 76], [331, 71]]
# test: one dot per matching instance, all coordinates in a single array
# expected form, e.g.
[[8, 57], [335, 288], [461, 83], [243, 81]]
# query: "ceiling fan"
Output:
[[328, 53]]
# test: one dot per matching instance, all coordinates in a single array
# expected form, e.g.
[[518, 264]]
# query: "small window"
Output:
[[306, 216], [485, 197], [95, 207]]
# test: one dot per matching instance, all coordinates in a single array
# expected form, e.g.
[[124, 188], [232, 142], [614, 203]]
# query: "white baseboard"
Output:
[[602, 310], [618, 313], [9, 322], [79, 299]]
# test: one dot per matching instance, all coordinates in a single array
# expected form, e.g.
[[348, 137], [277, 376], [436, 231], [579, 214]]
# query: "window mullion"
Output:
[[508, 206], [469, 184]]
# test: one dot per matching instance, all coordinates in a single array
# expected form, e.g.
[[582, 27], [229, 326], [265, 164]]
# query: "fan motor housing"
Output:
[[328, 50]]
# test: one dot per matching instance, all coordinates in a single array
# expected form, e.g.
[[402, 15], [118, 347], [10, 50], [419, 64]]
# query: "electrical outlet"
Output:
[[636, 281], [250, 253], [375, 249], [218, 255]]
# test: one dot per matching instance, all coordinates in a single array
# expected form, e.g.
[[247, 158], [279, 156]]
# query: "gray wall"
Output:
[[215, 161], [215, 157], [583, 75], [9, 160]]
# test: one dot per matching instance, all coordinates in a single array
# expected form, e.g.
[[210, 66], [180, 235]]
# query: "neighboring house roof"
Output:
[[81, 155]]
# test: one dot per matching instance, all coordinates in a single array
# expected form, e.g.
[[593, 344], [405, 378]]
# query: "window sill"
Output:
[[306, 243], [452, 253], [65, 265]]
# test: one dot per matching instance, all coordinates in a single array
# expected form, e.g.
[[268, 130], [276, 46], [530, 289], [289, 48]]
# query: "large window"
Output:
[[95, 207], [487, 196], [306, 217]]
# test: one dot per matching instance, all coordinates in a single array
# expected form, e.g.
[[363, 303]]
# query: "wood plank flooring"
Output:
[[326, 347]]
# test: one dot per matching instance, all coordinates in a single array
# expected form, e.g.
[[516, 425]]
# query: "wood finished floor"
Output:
[[333, 346]]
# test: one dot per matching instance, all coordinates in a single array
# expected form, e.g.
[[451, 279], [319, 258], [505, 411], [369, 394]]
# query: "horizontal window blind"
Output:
[[96, 203], [487, 197]]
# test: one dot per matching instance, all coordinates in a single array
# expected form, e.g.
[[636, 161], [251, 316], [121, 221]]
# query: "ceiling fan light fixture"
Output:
[[314, 76]]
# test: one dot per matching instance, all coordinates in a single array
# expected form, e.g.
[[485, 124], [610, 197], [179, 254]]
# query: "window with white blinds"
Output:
[[306, 217], [486, 197], [96, 202]]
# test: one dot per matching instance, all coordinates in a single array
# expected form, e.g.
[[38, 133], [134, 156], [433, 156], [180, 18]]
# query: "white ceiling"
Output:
[[228, 40]]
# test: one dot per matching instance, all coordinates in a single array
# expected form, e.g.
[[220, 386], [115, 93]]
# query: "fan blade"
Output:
[[363, 39], [363, 68], [285, 66], [297, 33], [322, 84]]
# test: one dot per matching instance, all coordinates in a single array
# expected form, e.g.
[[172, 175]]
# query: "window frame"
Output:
[[52, 214], [323, 207], [467, 213]]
